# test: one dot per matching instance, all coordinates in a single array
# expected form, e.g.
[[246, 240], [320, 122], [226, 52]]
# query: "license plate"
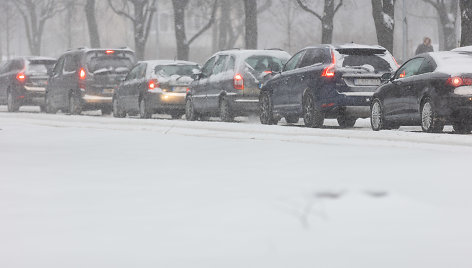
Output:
[[108, 90], [179, 89], [366, 82]]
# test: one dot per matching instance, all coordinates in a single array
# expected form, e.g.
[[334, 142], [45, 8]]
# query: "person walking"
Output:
[[425, 47]]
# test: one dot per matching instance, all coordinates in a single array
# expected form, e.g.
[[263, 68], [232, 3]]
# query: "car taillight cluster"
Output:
[[458, 81], [153, 84], [329, 71], [82, 74], [21, 77], [238, 82]]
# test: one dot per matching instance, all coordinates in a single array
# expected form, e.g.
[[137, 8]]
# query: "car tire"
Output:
[[42, 108], [462, 127], [49, 107], [226, 115], [117, 111], [377, 120], [430, 122], [312, 114], [12, 104], [75, 106], [144, 112], [265, 110], [190, 114], [292, 119], [346, 122]]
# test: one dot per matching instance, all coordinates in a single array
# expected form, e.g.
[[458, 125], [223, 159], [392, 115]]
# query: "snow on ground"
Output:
[[91, 191]]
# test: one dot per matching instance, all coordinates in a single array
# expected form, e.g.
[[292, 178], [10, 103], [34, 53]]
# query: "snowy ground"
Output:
[[92, 191]]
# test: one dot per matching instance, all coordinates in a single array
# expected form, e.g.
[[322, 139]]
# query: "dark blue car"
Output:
[[326, 81]]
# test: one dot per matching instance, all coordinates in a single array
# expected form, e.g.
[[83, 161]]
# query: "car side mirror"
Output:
[[197, 76], [386, 77], [50, 72]]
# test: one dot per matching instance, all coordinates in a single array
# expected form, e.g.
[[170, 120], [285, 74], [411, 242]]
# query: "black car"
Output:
[[229, 83], [155, 87], [85, 79], [23, 81], [326, 81], [430, 90]]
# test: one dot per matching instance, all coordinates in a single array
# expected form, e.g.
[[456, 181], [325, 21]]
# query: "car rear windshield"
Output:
[[261, 63], [118, 61], [40, 66], [376, 60], [169, 70]]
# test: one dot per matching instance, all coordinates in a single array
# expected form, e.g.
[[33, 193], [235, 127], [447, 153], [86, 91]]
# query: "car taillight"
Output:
[[82, 74], [110, 52], [329, 71], [153, 84], [238, 82], [457, 81], [21, 77]]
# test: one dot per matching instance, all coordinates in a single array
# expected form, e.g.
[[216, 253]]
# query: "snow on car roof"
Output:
[[452, 62], [250, 52], [170, 62]]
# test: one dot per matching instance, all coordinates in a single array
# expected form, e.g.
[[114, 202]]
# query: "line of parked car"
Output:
[[344, 82]]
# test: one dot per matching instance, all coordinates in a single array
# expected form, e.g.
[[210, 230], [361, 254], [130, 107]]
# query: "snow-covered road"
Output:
[[91, 191]]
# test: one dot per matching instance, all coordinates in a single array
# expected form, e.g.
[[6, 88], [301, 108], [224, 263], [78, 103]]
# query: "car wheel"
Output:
[[190, 114], [176, 115], [312, 114], [377, 120], [265, 114], [117, 111], [292, 119], [346, 122], [49, 108], [42, 108], [462, 127], [226, 115], [12, 104], [106, 111], [144, 112], [430, 122], [74, 105]]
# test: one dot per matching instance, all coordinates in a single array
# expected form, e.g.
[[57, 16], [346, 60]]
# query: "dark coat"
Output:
[[423, 49]]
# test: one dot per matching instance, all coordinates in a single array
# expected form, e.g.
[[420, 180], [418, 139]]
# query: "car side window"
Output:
[[132, 74], [220, 64], [141, 71], [58, 67], [70, 64], [3, 66], [428, 66], [293, 62], [309, 58], [16, 65], [410, 68], [231, 63], [208, 67]]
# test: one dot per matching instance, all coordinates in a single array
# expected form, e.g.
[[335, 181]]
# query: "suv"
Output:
[[156, 86], [23, 81], [229, 83], [326, 82], [85, 79]]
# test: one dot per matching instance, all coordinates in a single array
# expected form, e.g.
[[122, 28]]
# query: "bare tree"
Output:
[[250, 11], [447, 11], [286, 14], [230, 24], [330, 9], [141, 17], [94, 35], [35, 14], [466, 24], [383, 12], [183, 44]]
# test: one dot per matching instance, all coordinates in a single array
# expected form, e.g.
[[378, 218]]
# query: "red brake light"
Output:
[[267, 72], [21, 77], [238, 82], [395, 61], [82, 73], [109, 52], [457, 81], [329, 71], [153, 84]]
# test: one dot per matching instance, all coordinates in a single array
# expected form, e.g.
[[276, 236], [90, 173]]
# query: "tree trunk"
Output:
[[92, 24], [383, 12], [466, 14], [327, 22], [250, 11], [180, 36]]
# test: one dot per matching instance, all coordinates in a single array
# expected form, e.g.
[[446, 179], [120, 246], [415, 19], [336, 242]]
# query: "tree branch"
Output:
[[338, 6], [307, 9], [207, 26], [120, 12]]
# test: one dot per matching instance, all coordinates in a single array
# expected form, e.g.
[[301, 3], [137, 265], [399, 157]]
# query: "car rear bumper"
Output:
[[163, 101], [454, 107], [31, 96], [96, 99], [355, 104]]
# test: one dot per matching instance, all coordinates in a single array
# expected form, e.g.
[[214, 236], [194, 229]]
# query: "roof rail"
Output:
[[274, 48]]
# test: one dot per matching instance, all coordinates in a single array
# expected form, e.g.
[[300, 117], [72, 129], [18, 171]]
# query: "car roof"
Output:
[[169, 62], [452, 62], [347, 46], [30, 58], [250, 52], [86, 50]]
